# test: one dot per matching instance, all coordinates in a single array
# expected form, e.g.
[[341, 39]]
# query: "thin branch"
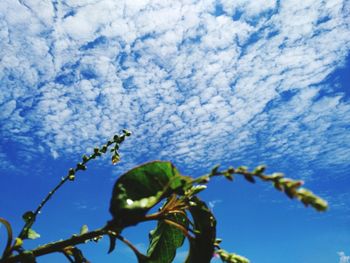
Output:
[[7, 225], [131, 246], [180, 227], [68, 257], [70, 176], [58, 246]]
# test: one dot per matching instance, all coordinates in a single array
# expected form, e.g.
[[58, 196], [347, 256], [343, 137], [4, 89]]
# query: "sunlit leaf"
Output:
[[141, 188]]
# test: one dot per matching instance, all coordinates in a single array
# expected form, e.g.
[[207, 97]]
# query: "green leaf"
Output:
[[165, 239], [202, 247], [141, 188], [32, 234]]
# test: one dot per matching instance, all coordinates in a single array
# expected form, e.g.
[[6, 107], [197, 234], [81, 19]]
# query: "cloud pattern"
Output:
[[198, 82], [343, 258]]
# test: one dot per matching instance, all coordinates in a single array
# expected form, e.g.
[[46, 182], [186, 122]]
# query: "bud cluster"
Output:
[[292, 188]]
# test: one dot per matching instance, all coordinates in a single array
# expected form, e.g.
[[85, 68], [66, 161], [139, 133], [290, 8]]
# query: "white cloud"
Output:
[[343, 258], [213, 203], [193, 87]]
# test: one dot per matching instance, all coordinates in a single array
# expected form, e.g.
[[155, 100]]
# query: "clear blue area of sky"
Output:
[[198, 84]]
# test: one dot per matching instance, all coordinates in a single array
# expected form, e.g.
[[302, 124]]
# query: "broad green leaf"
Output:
[[202, 247], [141, 188], [165, 239]]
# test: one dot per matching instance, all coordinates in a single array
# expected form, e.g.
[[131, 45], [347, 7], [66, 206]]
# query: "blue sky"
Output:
[[198, 83]]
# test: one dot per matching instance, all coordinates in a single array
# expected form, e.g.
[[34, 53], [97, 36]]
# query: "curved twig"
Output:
[[7, 249]]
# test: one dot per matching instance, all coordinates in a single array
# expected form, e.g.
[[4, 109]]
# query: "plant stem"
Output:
[[7, 225], [29, 223], [180, 227], [80, 166], [131, 246], [58, 246]]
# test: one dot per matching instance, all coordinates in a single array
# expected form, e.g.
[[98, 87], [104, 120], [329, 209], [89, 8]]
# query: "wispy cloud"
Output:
[[213, 203], [198, 82], [343, 258]]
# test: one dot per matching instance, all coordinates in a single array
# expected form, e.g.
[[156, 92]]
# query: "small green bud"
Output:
[[242, 169], [28, 216], [85, 158], [228, 176], [121, 138], [196, 189], [218, 241], [249, 178], [115, 158], [80, 166], [215, 169], [278, 186], [18, 243], [231, 170], [71, 177], [259, 169], [290, 192], [320, 205], [104, 149], [71, 171], [84, 229], [126, 132], [191, 203], [277, 176]]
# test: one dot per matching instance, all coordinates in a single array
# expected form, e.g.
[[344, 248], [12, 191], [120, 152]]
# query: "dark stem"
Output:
[[131, 246], [7, 225], [180, 227], [29, 223], [68, 257], [58, 246]]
